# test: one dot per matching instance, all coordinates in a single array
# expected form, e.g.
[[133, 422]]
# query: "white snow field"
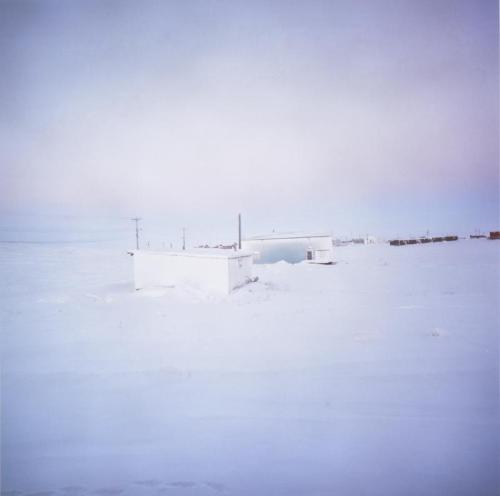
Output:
[[374, 376]]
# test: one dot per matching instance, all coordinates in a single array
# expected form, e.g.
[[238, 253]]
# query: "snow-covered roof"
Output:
[[287, 235], [201, 253]]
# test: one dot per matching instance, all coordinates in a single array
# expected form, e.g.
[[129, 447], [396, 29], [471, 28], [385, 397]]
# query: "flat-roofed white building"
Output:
[[290, 247], [214, 270]]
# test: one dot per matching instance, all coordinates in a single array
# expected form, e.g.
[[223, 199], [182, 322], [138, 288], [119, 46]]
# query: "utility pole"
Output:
[[239, 231], [183, 238], [136, 219]]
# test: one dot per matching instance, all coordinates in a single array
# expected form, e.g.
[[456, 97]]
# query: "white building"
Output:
[[290, 247], [215, 270]]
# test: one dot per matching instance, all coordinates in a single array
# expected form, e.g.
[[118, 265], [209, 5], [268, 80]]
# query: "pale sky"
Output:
[[375, 116]]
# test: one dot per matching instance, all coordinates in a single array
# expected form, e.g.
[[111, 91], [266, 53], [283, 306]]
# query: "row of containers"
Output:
[[493, 235], [439, 239], [416, 241]]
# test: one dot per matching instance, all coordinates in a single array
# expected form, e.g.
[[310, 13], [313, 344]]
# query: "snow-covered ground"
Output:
[[374, 376]]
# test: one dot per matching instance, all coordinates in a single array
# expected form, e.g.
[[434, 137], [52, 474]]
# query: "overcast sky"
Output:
[[375, 116]]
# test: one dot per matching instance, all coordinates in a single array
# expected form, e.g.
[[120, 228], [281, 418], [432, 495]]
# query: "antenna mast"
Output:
[[136, 219]]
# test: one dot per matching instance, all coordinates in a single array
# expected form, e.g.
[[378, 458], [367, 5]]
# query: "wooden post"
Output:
[[239, 231]]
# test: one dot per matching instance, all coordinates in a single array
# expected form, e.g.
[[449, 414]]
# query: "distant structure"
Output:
[[290, 247], [211, 270], [220, 246], [478, 235], [340, 242], [423, 240], [494, 234], [367, 240]]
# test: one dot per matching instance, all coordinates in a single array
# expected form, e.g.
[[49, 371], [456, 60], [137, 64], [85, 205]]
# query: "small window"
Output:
[[309, 255]]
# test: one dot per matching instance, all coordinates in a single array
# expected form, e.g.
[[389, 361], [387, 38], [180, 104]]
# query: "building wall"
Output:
[[156, 268], [240, 271], [292, 250]]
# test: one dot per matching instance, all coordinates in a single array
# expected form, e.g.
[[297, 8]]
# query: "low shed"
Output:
[[207, 269], [290, 247]]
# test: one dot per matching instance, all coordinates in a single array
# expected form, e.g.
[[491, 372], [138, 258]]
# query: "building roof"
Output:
[[200, 253], [287, 235]]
